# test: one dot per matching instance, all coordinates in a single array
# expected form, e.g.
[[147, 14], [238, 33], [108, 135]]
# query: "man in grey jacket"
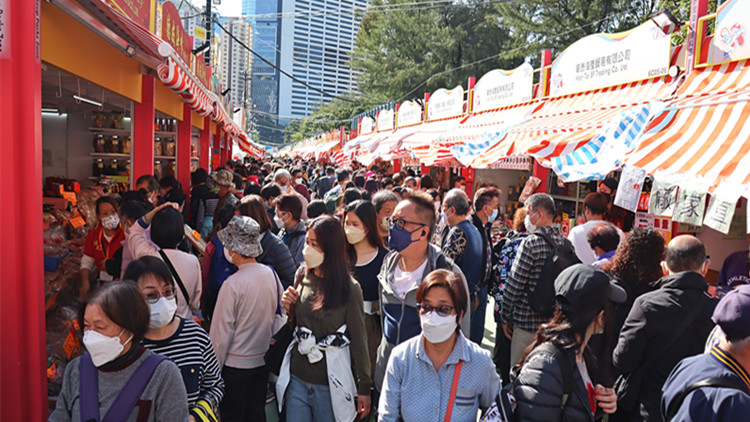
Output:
[[412, 257]]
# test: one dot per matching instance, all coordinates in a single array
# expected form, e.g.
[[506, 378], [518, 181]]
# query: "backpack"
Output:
[[542, 298]]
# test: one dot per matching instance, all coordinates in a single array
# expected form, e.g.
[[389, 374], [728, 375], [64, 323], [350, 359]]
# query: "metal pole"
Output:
[[209, 25]]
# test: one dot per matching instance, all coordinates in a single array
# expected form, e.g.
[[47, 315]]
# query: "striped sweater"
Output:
[[190, 348]]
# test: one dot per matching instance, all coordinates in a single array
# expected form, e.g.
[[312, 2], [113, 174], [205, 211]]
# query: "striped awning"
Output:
[[179, 82], [424, 143], [391, 144], [703, 133], [564, 124]]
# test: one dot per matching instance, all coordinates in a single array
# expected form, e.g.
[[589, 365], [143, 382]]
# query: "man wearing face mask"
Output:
[[520, 321], [486, 203], [385, 202], [292, 228], [594, 207], [151, 185], [464, 246], [283, 178], [298, 183], [412, 257], [242, 323]]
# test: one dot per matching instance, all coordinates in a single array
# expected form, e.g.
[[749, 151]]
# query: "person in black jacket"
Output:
[[559, 354], [657, 314], [275, 253]]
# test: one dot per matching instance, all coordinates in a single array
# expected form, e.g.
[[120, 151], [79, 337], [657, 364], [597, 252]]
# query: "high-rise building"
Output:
[[317, 39], [248, 7], [235, 61], [265, 78]]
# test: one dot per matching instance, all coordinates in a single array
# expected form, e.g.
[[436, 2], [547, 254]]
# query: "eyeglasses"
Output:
[[153, 296], [399, 223], [442, 310]]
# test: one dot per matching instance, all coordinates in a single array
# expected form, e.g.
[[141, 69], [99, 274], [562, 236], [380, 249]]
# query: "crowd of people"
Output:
[[368, 289]]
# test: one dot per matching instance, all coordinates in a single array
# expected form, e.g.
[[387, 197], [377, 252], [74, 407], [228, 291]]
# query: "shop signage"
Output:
[[202, 71], [663, 224], [731, 36], [366, 125], [173, 32], [4, 29], [500, 88], [643, 202], [663, 195], [409, 113], [513, 163], [721, 208], [444, 104], [140, 11], [385, 120], [602, 60], [691, 204], [629, 189], [199, 36]]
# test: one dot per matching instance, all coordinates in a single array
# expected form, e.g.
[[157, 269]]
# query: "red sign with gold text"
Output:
[[173, 32], [137, 10], [202, 71]]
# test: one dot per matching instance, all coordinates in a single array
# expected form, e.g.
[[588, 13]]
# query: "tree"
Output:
[[400, 46], [326, 117]]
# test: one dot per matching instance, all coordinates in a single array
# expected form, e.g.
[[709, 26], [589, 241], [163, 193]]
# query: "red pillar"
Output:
[[542, 173], [230, 142], [216, 153], [698, 9], [184, 135], [205, 147], [22, 356], [144, 115]]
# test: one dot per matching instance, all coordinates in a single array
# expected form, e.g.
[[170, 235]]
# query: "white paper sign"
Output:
[[629, 188], [663, 195], [721, 208], [602, 60], [644, 219], [385, 120], [366, 126], [731, 35], [691, 204], [409, 113], [444, 104], [500, 88]]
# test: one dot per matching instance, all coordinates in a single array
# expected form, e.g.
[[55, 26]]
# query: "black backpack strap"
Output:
[[546, 238], [125, 402], [720, 382], [176, 276]]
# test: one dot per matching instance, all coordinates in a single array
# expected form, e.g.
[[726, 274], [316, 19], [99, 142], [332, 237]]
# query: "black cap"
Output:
[[582, 288]]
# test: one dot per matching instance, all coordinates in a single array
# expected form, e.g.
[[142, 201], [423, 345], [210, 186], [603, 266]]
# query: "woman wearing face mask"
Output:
[[114, 320], [366, 252], [316, 381], [101, 244], [440, 374], [181, 340], [585, 297]]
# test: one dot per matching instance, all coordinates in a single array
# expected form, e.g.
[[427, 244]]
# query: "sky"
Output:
[[226, 8]]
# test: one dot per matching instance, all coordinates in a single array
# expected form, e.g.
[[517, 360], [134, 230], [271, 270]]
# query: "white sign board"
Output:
[[721, 208], [500, 88], [663, 195], [366, 126], [691, 204], [409, 113], [385, 120], [629, 188], [444, 104], [602, 60], [731, 36]]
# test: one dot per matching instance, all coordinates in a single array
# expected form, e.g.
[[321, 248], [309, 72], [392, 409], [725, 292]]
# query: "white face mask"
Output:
[[436, 328], [162, 312], [103, 349], [530, 227], [227, 256], [284, 188], [298, 180], [354, 235], [313, 257], [279, 221]]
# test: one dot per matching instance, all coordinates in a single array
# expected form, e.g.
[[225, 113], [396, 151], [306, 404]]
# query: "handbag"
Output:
[[454, 388], [283, 337], [628, 386]]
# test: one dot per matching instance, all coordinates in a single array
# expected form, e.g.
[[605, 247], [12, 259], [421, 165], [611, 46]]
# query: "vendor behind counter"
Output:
[[101, 244]]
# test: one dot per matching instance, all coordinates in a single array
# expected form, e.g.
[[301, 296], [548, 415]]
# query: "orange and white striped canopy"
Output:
[[565, 123], [704, 132]]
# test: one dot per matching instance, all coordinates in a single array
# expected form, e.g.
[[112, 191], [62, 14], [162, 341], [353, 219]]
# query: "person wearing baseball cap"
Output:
[[559, 354], [242, 323], [715, 386]]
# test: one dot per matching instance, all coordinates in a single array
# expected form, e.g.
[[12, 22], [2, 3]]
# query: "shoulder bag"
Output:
[[281, 340]]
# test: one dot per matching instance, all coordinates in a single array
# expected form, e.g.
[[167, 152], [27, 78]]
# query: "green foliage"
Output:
[[330, 116]]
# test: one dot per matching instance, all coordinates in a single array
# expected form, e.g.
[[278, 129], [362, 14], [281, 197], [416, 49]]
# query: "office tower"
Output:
[[235, 61]]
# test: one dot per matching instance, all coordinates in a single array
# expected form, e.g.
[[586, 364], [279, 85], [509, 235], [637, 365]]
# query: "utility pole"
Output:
[[209, 25]]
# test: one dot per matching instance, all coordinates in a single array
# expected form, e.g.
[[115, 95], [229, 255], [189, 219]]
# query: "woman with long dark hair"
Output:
[[366, 252], [560, 356], [328, 323]]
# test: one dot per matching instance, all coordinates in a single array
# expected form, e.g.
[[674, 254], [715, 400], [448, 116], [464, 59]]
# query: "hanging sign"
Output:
[[199, 36], [202, 71], [629, 188], [500, 88], [602, 60], [385, 120], [173, 32], [731, 36], [691, 204], [663, 195], [721, 208], [409, 113], [140, 11], [444, 104], [367, 125]]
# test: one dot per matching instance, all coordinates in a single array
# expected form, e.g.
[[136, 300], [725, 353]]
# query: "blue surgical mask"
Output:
[[399, 240], [493, 216]]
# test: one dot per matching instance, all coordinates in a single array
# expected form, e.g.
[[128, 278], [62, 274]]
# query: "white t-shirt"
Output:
[[403, 281], [577, 237]]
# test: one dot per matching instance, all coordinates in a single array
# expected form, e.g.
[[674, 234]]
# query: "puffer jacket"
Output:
[[277, 255], [538, 390]]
